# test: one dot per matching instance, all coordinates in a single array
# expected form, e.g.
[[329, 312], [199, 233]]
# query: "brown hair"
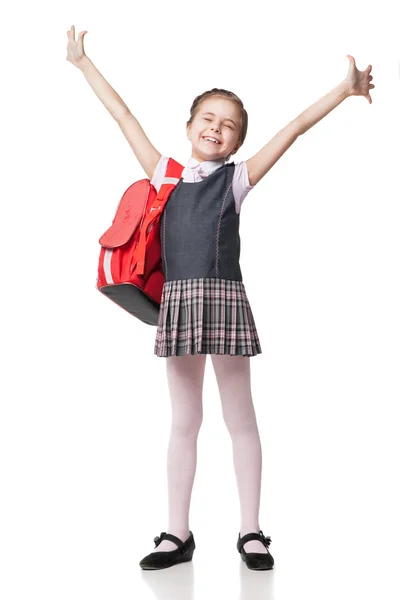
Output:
[[231, 96]]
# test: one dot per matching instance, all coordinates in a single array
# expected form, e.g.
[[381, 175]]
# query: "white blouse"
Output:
[[196, 171]]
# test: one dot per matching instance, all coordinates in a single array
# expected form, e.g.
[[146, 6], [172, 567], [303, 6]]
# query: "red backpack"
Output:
[[130, 269]]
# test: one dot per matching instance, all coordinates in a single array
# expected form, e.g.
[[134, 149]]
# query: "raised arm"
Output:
[[144, 151], [357, 83]]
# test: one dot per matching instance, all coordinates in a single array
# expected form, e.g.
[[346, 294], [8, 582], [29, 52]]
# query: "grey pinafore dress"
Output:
[[204, 306]]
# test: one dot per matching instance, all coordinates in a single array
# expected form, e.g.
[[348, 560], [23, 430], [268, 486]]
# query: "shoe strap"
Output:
[[182, 546], [265, 540]]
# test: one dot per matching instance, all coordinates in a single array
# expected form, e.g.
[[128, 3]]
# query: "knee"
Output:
[[240, 425], [188, 425]]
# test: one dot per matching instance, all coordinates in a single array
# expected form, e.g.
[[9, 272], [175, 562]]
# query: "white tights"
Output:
[[185, 375]]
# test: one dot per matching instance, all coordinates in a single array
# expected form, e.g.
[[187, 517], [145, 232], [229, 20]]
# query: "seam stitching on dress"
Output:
[[165, 254], [218, 229]]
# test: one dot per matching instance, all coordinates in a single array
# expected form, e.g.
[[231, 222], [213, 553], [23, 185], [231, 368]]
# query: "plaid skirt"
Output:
[[205, 316]]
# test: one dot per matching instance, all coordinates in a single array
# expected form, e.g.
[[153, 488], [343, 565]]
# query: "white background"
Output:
[[85, 412]]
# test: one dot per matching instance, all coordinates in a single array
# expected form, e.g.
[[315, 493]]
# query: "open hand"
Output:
[[75, 51], [359, 82]]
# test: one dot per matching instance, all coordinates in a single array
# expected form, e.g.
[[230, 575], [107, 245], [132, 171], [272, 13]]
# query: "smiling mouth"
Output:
[[210, 142]]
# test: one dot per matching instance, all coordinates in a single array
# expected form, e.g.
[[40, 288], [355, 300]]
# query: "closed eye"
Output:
[[229, 126]]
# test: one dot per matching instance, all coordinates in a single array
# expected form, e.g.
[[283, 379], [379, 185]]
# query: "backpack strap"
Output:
[[173, 173]]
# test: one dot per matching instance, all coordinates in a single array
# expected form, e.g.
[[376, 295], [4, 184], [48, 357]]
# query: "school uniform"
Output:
[[204, 306]]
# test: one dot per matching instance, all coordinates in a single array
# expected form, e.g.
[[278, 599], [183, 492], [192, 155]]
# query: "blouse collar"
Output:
[[206, 167]]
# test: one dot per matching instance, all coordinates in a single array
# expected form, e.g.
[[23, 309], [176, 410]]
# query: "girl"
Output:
[[204, 307]]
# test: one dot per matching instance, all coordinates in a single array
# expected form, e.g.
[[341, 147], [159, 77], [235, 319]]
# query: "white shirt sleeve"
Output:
[[159, 172], [240, 184]]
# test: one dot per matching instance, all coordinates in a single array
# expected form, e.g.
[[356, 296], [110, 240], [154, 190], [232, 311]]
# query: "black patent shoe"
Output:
[[163, 560], [256, 561]]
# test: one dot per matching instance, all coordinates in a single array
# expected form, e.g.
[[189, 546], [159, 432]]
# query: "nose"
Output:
[[215, 128]]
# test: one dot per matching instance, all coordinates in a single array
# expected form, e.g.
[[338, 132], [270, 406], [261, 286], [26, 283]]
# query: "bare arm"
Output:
[[357, 83], [264, 160], [143, 149], [103, 90]]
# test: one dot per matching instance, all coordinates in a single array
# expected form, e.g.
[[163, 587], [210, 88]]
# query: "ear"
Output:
[[235, 149], [188, 131]]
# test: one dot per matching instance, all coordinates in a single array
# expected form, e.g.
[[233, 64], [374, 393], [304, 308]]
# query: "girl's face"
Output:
[[218, 118]]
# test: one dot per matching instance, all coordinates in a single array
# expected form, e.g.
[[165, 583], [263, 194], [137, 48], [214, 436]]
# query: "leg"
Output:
[[185, 376], [233, 378]]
